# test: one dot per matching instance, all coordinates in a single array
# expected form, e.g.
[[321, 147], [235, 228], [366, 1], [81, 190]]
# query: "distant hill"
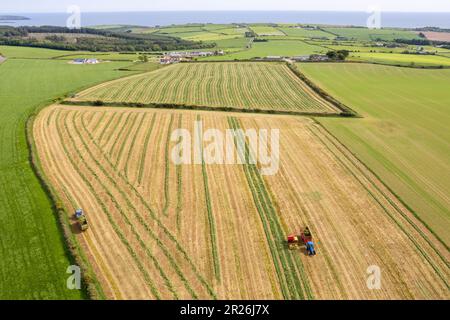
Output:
[[12, 18]]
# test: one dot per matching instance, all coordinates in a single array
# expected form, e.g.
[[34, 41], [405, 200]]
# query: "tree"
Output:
[[340, 55]]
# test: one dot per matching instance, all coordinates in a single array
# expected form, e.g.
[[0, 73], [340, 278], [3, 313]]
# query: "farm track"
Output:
[[210, 231], [262, 86]]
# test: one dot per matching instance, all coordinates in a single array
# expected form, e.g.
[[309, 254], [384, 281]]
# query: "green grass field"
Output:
[[366, 34], [237, 85], [236, 43], [33, 53], [300, 32], [33, 260], [262, 30], [404, 136], [401, 59], [39, 53], [273, 48]]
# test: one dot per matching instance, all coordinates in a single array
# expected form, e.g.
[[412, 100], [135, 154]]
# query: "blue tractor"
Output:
[[81, 218], [304, 239]]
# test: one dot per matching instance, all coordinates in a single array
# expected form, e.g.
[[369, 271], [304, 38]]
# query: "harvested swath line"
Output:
[[104, 209], [251, 100], [293, 287], [212, 225], [145, 225], [156, 156], [143, 156], [88, 118], [167, 169], [100, 120], [133, 142], [275, 258], [117, 137], [179, 173], [124, 141], [132, 228], [110, 122]]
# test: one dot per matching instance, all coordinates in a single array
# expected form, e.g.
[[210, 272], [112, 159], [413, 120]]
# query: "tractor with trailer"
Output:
[[81, 218], [305, 240]]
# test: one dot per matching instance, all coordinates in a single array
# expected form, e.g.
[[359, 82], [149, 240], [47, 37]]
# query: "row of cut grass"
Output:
[[138, 216], [291, 274]]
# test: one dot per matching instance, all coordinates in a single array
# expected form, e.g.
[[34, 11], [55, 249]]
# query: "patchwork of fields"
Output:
[[217, 231], [260, 86]]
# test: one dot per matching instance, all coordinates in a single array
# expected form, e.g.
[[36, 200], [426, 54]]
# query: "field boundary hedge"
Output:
[[346, 111], [199, 108]]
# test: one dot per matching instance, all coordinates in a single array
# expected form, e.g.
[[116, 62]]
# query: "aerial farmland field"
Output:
[[307, 33], [250, 86], [402, 59], [274, 48], [404, 129], [33, 255], [239, 164], [166, 231], [262, 30]]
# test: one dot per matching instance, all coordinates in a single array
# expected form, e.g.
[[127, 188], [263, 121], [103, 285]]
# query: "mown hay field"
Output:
[[262, 86], [162, 231]]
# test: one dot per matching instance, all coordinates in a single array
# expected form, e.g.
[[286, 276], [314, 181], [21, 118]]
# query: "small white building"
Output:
[[301, 58], [85, 61]]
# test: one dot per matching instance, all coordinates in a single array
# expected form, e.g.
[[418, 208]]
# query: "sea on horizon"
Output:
[[164, 18]]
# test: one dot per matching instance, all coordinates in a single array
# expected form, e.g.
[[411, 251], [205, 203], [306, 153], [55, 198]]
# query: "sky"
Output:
[[31, 6]]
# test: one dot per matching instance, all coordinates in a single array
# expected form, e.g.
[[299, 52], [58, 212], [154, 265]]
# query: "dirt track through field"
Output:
[[161, 231]]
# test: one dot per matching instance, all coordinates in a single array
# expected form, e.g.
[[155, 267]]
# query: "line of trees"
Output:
[[339, 55], [105, 40]]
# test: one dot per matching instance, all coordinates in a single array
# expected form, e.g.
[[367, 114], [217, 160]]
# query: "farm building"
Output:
[[301, 58], [274, 58], [319, 57], [169, 60], [175, 57], [86, 61]]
